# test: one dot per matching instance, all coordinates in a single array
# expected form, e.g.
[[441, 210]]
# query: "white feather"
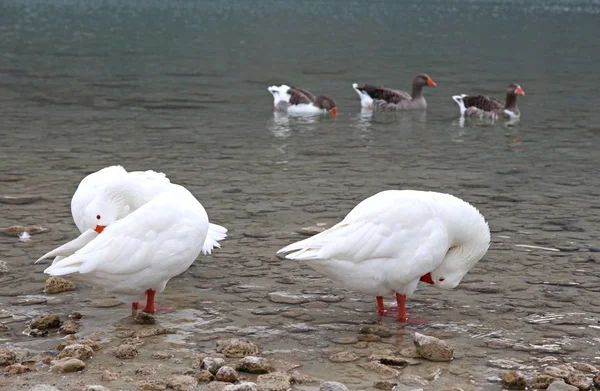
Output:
[[365, 100], [461, 104]]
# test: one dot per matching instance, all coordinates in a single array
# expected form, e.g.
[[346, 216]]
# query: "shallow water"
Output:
[[180, 87]]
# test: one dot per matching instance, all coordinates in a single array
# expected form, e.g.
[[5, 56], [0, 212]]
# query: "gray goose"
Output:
[[298, 100], [374, 97], [484, 107]]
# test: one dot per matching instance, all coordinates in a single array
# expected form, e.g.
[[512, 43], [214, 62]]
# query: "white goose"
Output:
[[143, 237], [396, 238]]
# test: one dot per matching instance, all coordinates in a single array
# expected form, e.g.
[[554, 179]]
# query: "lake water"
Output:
[[181, 87]]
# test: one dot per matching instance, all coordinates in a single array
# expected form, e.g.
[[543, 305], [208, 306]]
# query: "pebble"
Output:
[[7, 357], [212, 364], [152, 385], [514, 380], [3, 267], [253, 364], [332, 386], [237, 347], [182, 383], [68, 365], [16, 369], [227, 374], [385, 385], [204, 376], [343, 357], [75, 315], [274, 381], [244, 386], [78, 351], [433, 349], [56, 285], [126, 351], [561, 386], [44, 322], [69, 327]]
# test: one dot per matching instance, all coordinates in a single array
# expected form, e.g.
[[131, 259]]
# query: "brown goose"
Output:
[[484, 107], [297, 100], [373, 97]]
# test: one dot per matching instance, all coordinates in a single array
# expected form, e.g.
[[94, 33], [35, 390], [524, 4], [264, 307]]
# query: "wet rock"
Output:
[[252, 364], [385, 385], [126, 351], [504, 364], [125, 333], [369, 338], [583, 367], [332, 386], [345, 340], [68, 365], [153, 385], [579, 380], [91, 343], [19, 200], [597, 379], [244, 386], [144, 318], [380, 331], [44, 322], [204, 376], [412, 380], [514, 380], [35, 332], [69, 327], [389, 360], [227, 374], [56, 285], [433, 349], [237, 347], [162, 355], [7, 357], [75, 315], [110, 376], [181, 383], [44, 387], [300, 378], [410, 352], [16, 369], [379, 368], [561, 386], [543, 381], [28, 301], [78, 351], [212, 364], [274, 381], [95, 388], [145, 333], [343, 357], [3, 267], [105, 303], [556, 372], [288, 298]]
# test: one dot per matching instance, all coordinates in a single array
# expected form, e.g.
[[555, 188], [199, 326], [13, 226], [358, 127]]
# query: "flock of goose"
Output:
[[298, 100], [139, 230]]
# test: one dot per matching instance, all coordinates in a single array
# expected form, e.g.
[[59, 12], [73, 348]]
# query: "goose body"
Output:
[[484, 107], [295, 100], [394, 239], [381, 98], [143, 237]]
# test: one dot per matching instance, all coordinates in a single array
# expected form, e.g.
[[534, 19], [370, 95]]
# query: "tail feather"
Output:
[[461, 104], [214, 235], [69, 248], [303, 250], [64, 266], [365, 99]]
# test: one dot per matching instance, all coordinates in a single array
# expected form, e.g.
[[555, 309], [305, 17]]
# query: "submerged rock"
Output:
[[343, 357], [78, 351], [68, 365], [144, 318], [385, 385], [126, 351], [16, 369], [43, 322], [390, 360], [244, 386], [227, 374], [514, 380], [253, 364], [274, 381], [381, 369], [152, 385], [95, 388], [212, 364], [182, 383], [204, 376], [543, 381], [332, 386], [237, 347], [380, 331], [561, 386], [69, 327], [433, 349], [56, 285], [7, 357], [91, 343], [579, 380], [288, 298]]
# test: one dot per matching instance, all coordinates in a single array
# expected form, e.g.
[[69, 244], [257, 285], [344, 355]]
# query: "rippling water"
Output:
[[180, 87]]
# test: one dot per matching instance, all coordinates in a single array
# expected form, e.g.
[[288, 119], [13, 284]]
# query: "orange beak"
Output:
[[431, 82], [99, 228], [333, 111], [519, 91], [427, 278]]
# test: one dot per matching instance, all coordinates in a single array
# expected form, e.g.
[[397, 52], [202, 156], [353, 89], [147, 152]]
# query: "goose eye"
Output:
[[441, 279], [97, 217]]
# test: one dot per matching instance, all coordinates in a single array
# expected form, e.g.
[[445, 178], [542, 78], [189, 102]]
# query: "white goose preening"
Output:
[[295, 100], [143, 237], [396, 238]]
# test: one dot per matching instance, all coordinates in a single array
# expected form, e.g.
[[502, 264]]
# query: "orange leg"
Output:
[[401, 299], [134, 307], [149, 302], [380, 307]]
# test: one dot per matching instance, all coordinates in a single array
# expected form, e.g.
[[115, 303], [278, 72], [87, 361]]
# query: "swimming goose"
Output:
[[396, 238], [374, 97], [484, 107], [299, 101]]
